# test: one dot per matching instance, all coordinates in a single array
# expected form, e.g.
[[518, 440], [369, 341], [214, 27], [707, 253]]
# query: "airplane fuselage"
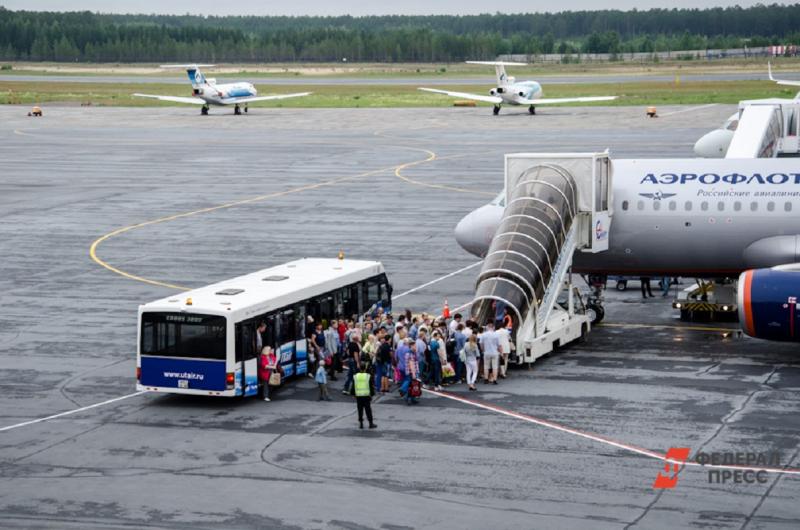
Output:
[[224, 94], [685, 217], [518, 93]]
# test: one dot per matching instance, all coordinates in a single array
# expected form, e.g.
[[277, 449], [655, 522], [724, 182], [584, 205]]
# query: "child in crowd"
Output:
[[322, 381]]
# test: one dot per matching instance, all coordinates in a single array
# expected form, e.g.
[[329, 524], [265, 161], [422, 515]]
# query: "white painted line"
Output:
[[69, 412], [690, 109], [601, 439], [440, 278]]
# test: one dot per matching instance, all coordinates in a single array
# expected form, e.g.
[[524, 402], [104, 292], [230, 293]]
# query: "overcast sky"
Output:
[[343, 7]]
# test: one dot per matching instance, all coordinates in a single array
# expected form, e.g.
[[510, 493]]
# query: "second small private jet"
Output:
[[206, 91], [510, 92]]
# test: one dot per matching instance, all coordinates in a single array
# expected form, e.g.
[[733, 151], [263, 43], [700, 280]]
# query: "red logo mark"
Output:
[[676, 457]]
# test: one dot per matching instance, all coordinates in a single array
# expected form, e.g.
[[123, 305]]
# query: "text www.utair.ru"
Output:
[[183, 375]]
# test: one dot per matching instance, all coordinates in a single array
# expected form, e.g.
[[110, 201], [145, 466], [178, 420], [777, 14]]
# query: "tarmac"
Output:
[[102, 209]]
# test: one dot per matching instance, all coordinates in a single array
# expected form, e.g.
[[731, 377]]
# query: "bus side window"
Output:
[[350, 301], [241, 339], [300, 321], [268, 337], [314, 308], [362, 307], [373, 293], [287, 327], [327, 309], [386, 295], [148, 337]]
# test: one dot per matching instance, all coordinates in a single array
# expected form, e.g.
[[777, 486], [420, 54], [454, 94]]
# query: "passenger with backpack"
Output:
[[383, 364], [411, 384]]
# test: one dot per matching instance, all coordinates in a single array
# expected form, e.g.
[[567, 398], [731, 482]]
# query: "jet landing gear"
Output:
[[532, 109], [496, 110], [236, 110], [594, 300], [204, 110]]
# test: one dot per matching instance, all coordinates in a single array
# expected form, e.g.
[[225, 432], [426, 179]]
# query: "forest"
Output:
[[93, 37]]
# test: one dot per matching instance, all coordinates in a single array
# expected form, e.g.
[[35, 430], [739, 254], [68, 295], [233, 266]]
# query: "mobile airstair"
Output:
[[767, 128], [555, 205]]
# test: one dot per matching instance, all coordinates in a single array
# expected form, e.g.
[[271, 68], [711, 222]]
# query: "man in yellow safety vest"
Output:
[[363, 389]]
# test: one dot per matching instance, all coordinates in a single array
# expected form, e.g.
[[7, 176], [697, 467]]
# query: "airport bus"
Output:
[[204, 341]]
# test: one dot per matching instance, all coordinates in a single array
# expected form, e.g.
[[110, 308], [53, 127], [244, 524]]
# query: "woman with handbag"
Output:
[[268, 371]]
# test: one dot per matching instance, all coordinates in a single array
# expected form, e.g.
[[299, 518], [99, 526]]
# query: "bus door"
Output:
[[300, 345], [286, 342], [246, 359]]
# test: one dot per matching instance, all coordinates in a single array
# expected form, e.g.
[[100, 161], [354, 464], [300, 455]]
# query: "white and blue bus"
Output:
[[204, 341]]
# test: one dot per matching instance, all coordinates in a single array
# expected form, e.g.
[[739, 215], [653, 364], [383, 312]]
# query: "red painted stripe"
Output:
[[601, 439], [748, 308]]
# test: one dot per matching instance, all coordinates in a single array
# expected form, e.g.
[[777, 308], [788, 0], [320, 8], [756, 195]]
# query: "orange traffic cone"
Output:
[[446, 311]]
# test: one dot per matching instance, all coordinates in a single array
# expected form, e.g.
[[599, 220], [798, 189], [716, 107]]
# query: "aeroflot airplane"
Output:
[[697, 218], [206, 91], [510, 92]]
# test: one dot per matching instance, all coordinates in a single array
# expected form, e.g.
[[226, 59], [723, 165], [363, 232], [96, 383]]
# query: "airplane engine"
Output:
[[522, 94], [768, 303], [492, 92], [714, 144]]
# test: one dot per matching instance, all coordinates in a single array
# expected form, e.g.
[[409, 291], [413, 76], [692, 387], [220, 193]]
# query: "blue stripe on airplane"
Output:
[[239, 93]]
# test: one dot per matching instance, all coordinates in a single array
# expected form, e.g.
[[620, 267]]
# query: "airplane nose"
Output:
[[475, 230], [714, 144], [464, 233]]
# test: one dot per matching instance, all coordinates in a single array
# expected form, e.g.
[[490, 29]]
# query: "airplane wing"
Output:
[[476, 97], [553, 101], [263, 98], [175, 99], [780, 81]]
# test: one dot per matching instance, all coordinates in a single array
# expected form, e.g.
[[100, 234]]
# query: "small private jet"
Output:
[[206, 91], [510, 92]]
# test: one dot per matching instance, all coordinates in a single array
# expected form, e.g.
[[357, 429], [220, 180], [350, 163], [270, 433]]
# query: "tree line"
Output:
[[91, 37]]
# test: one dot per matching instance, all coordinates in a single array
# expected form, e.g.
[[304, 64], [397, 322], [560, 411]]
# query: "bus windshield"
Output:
[[183, 335]]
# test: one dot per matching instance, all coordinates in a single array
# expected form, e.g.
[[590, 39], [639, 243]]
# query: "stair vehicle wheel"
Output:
[[622, 285]]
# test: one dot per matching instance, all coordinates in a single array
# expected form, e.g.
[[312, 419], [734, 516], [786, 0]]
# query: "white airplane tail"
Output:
[[499, 69], [782, 81], [196, 77]]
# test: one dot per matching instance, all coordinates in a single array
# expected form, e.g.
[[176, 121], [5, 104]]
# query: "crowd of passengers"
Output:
[[436, 351]]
